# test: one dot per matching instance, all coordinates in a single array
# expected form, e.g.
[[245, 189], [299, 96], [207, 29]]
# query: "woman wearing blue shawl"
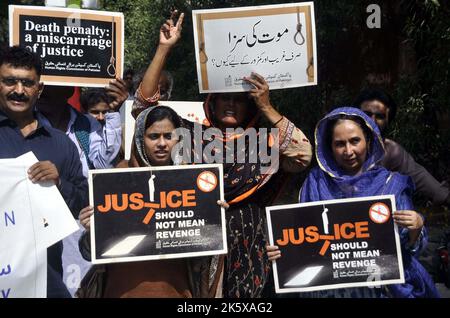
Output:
[[348, 150]]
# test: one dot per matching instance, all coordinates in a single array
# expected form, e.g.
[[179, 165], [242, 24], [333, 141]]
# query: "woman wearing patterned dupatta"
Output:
[[247, 187], [349, 149]]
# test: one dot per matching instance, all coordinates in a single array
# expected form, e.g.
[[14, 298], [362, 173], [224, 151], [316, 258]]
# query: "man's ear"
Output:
[[41, 88], [388, 116]]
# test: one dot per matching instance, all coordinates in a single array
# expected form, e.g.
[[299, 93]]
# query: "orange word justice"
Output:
[[135, 202], [310, 234]]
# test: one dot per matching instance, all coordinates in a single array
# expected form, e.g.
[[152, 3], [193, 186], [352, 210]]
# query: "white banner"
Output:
[[28, 225], [23, 266], [275, 41], [59, 221]]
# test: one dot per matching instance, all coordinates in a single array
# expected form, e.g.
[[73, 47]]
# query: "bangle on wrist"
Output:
[[278, 121]]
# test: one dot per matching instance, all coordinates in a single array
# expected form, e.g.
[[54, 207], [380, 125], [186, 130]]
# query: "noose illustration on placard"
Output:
[[325, 220], [299, 30], [202, 54], [301, 41], [112, 61], [310, 68], [151, 187]]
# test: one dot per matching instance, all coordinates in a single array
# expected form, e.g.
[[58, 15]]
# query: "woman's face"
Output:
[[159, 140], [349, 146], [231, 110]]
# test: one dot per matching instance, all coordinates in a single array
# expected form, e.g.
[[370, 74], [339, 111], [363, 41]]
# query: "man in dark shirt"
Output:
[[382, 109], [21, 132]]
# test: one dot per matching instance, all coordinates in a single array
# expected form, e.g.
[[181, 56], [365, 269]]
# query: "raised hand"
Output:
[[260, 94], [170, 31], [260, 90], [117, 90]]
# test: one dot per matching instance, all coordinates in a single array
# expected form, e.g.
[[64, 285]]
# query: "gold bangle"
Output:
[[151, 100]]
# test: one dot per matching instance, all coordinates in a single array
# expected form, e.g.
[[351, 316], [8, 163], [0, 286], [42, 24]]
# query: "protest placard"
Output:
[[77, 47], [58, 219], [156, 213], [23, 267], [275, 41], [28, 226], [335, 244]]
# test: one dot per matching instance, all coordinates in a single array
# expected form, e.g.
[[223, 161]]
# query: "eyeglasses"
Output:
[[12, 81]]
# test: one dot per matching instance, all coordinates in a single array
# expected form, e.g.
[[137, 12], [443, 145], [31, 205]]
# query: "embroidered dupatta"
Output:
[[328, 181]]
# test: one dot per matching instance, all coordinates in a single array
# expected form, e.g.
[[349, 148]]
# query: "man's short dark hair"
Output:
[[370, 94], [92, 97], [20, 57]]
